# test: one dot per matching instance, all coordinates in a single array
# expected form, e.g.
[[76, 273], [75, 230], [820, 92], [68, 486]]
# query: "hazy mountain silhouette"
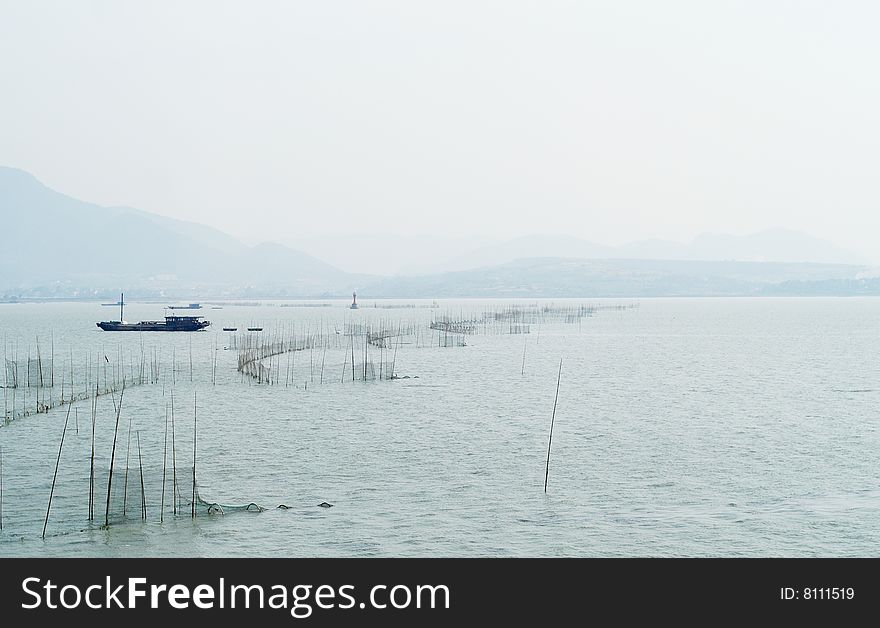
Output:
[[772, 245], [570, 277], [53, 244], [388, 254], [49, 237]]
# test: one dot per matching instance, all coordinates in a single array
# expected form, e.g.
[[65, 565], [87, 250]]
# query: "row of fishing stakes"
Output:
[[91, 503], [30, 385], [30, 377], [259, 358]]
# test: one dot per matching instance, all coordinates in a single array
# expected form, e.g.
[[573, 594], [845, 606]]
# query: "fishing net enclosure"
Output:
[[150, 493], [29, 372]]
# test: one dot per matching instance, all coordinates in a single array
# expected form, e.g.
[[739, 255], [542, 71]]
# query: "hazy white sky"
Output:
[[610, 121]]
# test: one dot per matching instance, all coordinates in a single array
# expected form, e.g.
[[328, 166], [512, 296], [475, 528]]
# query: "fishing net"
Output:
[[138, 495]]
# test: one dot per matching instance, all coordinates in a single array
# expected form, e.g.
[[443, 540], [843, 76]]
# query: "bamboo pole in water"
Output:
[[352, 353], [164, 468], [92, 457], [290, 351], [113, 458], [55, 476], [14, 377], [5, 382], [112, 386], [1, 488], [344, 364], [552, 421], [72, 380], [293, 359], [141, 468], [195, 434], [125, 483], [173, 460]]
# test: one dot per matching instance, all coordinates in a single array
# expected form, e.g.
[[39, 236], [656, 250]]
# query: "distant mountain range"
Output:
[[57, 246], [398, 255], [51, 239], [569, 277], [773, 245]]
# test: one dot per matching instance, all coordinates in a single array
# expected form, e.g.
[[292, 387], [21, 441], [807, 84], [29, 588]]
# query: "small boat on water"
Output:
[[171, 323], [189, 306]]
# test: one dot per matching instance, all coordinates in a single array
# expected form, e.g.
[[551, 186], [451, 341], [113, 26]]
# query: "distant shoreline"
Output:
[[311, 302]]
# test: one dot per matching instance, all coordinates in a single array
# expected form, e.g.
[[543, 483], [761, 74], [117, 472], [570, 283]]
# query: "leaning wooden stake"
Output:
[[141, 467], [55, 476], [552, 421], [113, 458], [394, 357]]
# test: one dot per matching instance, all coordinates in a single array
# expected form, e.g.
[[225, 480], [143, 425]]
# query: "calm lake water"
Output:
[[684, 427]]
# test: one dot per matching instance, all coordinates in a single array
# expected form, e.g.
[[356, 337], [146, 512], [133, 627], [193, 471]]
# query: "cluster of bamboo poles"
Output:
[[170, 450], [272, 360], [36, 385], [515, 318], [255, 350]]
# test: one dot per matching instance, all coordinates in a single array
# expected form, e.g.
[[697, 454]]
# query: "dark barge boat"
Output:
[[171, 323]]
